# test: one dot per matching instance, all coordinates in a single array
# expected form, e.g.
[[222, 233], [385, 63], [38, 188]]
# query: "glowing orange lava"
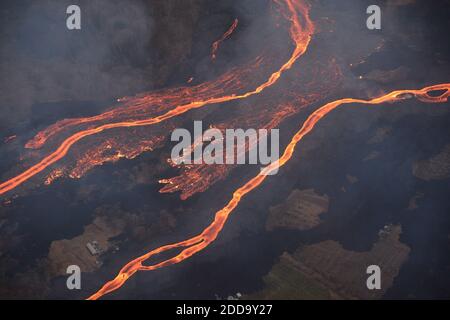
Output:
[[9, 139], [185, 99], [216, 44], [301, 30], [199, 242]]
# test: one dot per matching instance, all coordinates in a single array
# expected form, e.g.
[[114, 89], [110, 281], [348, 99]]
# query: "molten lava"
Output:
[[152, 108], [195, 244], [262, 114], [216, 44], [301, 30], [9, 139]]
